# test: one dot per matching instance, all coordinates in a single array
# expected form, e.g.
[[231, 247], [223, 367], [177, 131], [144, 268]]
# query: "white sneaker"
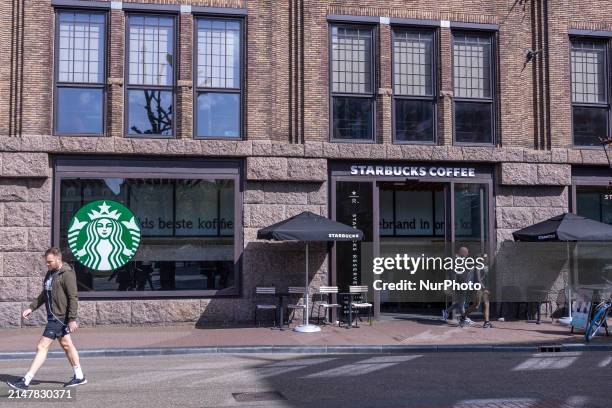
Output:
[[501, 319], [469, 321]]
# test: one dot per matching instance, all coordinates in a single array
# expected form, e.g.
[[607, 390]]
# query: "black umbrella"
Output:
[[565, 227], [309, 227]]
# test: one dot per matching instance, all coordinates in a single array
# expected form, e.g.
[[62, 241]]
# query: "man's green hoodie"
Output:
[[63, 292]]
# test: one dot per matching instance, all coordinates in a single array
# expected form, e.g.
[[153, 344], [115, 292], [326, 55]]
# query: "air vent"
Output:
[[258, 396], [550, 349]]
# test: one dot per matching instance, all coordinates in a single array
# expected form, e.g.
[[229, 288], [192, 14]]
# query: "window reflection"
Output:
[[187, 233]]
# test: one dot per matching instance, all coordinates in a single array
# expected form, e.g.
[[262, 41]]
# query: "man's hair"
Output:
[[55, 251]]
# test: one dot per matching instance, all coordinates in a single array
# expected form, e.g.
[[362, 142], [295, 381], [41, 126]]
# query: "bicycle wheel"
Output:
[[598, 320]]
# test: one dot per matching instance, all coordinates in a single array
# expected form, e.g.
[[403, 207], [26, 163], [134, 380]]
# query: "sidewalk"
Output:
[[393, 332]]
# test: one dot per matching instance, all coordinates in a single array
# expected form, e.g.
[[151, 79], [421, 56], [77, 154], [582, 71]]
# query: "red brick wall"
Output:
[[274, 75]]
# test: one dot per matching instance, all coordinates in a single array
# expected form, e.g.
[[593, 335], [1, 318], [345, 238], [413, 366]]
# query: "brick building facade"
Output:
[[287, 154]]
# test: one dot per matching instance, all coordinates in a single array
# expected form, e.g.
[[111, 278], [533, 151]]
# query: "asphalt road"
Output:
[[458, 379]]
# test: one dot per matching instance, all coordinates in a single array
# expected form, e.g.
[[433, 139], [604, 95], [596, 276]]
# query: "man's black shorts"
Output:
[[55, 329]]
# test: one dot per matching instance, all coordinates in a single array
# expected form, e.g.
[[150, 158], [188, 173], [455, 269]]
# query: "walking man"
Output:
[[482, 296], [59, 294], [459, 296]]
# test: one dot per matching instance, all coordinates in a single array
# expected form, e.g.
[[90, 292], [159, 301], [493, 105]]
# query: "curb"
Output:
[[132, 352]]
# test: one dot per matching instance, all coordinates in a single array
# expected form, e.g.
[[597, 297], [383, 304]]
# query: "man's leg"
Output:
[[41, 355], [70, 350], [474, 305], [73, 355]]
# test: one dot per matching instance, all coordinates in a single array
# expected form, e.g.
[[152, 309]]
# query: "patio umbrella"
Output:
[[565, 227], [309, 227]]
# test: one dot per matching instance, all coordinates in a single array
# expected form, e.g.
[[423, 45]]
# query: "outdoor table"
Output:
[[351, 296], [281, 296]]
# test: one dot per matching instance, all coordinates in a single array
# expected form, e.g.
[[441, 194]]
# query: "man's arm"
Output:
[[38, 302], [70, 286]]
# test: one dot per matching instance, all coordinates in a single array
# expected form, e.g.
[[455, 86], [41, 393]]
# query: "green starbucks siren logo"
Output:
[[103, 235]]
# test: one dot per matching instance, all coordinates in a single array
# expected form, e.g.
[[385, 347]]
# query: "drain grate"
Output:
[[550, 349], [258, 396]]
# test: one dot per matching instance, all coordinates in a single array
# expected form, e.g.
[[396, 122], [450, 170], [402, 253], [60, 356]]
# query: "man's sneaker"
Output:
[[444, 314], [469, 321], [18, 385], [75, 381], [487, 325], [462, 322]]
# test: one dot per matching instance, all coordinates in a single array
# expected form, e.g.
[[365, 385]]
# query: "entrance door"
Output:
[[413, 220]]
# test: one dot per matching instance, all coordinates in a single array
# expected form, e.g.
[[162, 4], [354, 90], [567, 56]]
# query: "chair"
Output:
[[362, 303], [296, 290], [324, 302], [265, 292], [538, 295], [511, 296]]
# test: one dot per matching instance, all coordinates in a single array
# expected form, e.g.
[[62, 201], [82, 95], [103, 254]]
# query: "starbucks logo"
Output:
[[103, 235]]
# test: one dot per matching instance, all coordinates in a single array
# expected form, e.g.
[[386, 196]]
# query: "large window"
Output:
[[473, 87], [188, 228], [413, 86], [352, 83], [590, 108], [79, 73], [218, 90], [150, 75], [594, 202]]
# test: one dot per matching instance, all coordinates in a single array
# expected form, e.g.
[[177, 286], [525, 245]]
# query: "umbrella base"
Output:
[[307, 328]]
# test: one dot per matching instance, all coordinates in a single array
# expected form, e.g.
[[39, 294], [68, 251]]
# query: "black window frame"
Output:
[[493, 85], [81, 85], [606, 42], [163, 88], [197, 90], [373, 78], [70, 167], [433, 98]]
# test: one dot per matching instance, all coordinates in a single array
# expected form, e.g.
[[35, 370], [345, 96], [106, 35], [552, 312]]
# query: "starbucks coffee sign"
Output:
[[103, 235], [413, 171]]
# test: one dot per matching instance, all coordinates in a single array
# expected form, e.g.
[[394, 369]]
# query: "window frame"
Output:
[[373, 78], [187, 168], [608, 104], [493, 84], [197, 90], [80, 85], [434, 80], [142, 87]]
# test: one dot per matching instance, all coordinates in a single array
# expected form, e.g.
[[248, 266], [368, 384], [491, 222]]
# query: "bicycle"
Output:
[[600, 317]]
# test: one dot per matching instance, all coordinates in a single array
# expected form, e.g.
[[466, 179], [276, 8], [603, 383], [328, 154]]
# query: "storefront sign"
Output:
[[103, 235], [412, 171]]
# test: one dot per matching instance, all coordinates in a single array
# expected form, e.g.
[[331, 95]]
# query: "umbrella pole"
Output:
[[307, 327], [306, 286]]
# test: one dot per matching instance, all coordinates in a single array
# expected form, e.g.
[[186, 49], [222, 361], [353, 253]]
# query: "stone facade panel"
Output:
[[263, 215], [10, 314], [147, 311], [13, 289], [554, 174], [13, 190], [113, 312], [180, 310], [519, 174], [307, 169], [13, 239], [25, 165], [39, 238], [22, 264], [23, 214], [514, 217], [266, 168]]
